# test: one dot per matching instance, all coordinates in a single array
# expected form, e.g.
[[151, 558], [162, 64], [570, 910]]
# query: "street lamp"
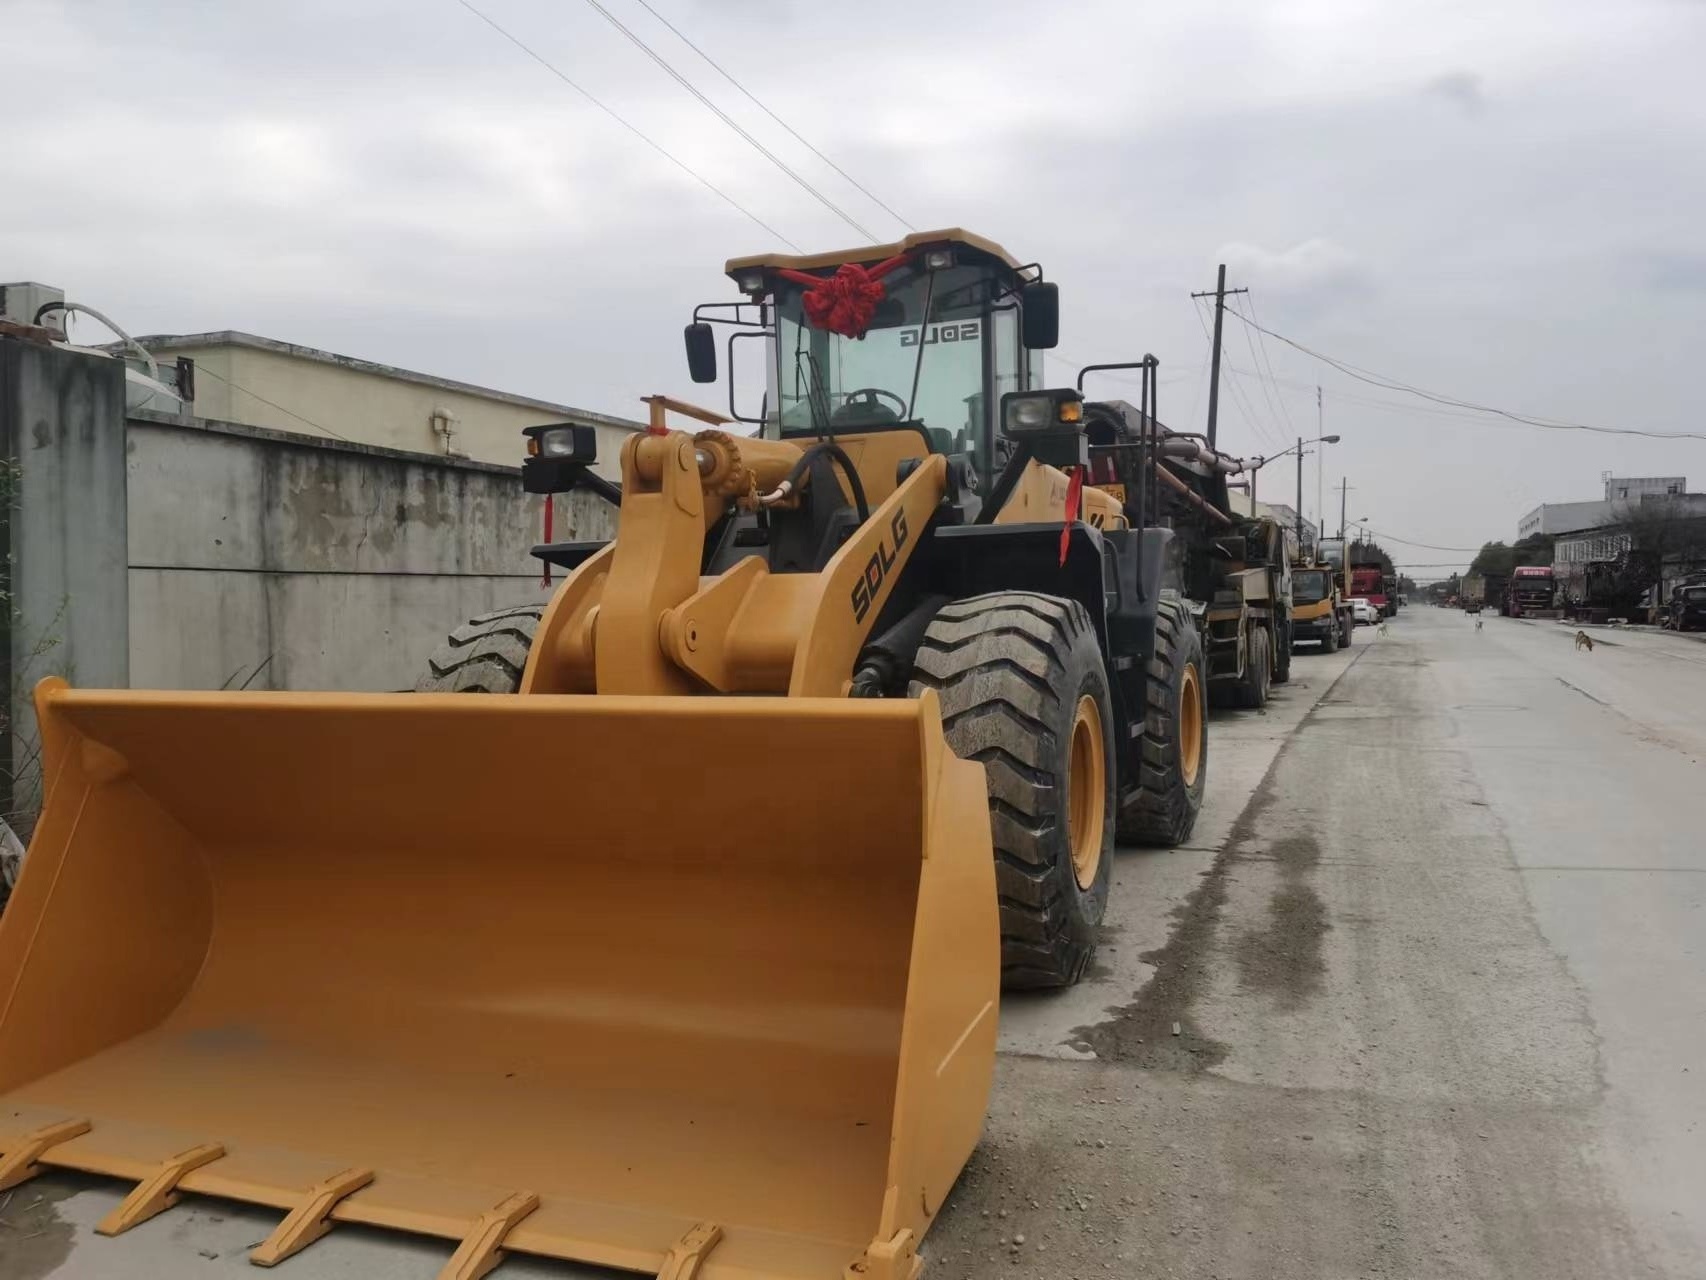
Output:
[[1298, 450]]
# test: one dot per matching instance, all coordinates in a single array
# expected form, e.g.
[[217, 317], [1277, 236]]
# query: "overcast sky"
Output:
[[1499, 201]]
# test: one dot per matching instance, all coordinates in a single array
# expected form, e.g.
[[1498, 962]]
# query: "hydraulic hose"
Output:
[[836, 454]]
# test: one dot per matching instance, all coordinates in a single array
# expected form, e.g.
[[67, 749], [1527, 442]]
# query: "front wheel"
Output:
[[1024, 691], [1282, 655], [1330, 637], [486, 654]]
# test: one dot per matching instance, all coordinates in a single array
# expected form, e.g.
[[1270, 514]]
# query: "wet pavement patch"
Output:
[[34, 1240], [1284, 959]]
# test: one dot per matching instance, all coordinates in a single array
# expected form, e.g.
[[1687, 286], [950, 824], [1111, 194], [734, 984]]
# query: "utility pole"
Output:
[[1299, 512], [1219, 296], [1320, 510], [1344, 488]]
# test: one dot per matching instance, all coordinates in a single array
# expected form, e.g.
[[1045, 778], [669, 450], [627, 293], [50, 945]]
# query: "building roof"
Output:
[[166, 343]]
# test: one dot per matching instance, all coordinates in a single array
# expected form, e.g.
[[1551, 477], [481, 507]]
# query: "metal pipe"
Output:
[[1192, 496]]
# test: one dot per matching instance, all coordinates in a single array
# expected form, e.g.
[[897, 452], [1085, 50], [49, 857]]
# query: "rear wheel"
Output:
[[1172, 751], [1282, 656], [1330, 637], [1024, 690], [486, 654], [1253, 688]]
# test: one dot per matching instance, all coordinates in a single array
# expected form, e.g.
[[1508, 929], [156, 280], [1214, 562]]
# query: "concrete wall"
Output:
[[285, 562], [325, 395], [62, 486]]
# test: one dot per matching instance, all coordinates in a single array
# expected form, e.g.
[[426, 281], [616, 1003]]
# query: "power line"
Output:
[[729, 120], [795, 133], [1392, 384], [1256, 363], [202, 369], [1268, 360], [1251, 420], [658, 147], [1411, 542]]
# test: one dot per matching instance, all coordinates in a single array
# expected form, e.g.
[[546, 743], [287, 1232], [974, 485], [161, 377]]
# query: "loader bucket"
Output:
[[683, 986]]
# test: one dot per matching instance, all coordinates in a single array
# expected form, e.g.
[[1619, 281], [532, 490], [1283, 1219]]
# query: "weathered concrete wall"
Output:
[[279, 561], [62, 486]]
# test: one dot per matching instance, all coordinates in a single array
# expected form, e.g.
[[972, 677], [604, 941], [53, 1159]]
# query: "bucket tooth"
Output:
[[689, 1251], [482, 1248], [309, 1220], [19, 1163], [893, 1259], [159, 1190]]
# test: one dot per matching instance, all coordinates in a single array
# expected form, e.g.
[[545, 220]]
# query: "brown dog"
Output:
[[1584, 641]]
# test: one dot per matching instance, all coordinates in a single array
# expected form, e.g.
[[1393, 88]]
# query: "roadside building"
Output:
[[1568, 517], [263, 382], [1658, 541]]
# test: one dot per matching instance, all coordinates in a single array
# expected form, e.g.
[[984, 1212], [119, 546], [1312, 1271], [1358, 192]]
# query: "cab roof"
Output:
[[873, 252]]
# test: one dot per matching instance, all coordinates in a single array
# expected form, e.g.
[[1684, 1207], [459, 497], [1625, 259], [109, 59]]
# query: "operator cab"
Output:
[[926, 334]]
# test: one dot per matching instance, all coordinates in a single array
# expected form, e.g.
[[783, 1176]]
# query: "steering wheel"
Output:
[[872, 395]]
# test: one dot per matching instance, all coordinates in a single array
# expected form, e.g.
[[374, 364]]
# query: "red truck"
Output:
[[1368, 582], [1530, 593]]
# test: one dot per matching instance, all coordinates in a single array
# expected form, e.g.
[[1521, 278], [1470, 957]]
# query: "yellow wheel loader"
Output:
[[682, 955]]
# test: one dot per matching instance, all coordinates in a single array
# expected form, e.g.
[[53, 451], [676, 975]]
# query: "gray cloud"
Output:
[[1463, 89], [395, 181]]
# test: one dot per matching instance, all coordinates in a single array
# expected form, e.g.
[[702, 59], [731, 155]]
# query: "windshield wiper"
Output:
[[817, 395]]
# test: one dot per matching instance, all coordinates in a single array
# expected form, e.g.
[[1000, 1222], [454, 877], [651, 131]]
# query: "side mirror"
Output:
[[701, 352], [1039, 307]]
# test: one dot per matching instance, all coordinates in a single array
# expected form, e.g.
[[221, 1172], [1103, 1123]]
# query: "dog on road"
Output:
[[1584, 641], [1380, 630], [1477, 624]]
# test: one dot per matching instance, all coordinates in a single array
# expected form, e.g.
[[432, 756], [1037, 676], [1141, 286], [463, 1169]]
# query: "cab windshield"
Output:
[[1309, 585], [922, 360]]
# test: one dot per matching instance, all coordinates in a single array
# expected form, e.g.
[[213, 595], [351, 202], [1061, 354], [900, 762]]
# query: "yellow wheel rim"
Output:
[[1190, 726], [1087, 785]]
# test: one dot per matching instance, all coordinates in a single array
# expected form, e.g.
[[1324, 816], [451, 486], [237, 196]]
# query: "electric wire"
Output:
[[656, 146], [729, 120], [793, 132], [203, 371], [1267, 359], [1252, 421], [1388, 383]]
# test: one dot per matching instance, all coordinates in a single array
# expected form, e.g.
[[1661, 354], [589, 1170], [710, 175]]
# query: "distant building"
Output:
[[1239, 502], [261, 382], [1567, 517], [1605, 544], [1287, 516]]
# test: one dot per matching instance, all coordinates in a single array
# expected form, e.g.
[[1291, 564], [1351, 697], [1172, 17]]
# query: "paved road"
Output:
[[1437, 960], [1441, 996]]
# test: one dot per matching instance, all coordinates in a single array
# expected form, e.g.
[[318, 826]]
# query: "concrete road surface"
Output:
[[1424, 997]]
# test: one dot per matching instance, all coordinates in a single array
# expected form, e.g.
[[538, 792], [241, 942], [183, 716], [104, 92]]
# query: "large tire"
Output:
[[1282, 655], [1024, 690], [1330, 637], [1252, 690], [1172, 750], [486, 654]]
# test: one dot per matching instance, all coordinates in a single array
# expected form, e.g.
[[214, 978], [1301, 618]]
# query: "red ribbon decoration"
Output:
[[844, 302], [1074, 494]]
